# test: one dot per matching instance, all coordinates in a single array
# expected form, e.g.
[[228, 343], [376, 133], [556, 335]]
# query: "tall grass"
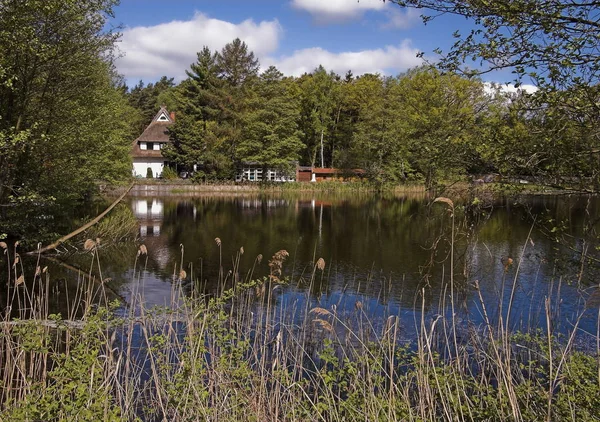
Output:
[[245, 354]]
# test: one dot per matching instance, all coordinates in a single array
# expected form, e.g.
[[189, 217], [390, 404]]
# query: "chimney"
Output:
[[173, 116]]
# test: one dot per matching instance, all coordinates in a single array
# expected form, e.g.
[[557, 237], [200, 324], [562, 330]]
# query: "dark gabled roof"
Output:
[[157, 131]]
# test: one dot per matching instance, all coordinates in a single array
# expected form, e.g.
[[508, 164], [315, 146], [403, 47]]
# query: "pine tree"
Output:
[[271, 137], [198, 138]]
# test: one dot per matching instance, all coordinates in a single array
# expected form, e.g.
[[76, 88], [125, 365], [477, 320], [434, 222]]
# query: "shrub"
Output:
[[169, 173]]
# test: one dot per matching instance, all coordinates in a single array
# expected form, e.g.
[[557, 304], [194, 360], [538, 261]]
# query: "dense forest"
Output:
[[422, 125], [67, 118]]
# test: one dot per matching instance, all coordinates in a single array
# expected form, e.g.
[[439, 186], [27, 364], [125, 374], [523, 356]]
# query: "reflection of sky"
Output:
[[377, 251], [151, 289]]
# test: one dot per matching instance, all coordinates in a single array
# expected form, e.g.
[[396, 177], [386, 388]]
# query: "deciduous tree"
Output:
[[64, 121]]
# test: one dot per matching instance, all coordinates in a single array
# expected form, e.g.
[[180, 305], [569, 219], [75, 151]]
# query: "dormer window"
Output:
[[162, 118]]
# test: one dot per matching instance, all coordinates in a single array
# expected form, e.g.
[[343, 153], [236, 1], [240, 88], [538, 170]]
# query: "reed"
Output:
[[244, 353]]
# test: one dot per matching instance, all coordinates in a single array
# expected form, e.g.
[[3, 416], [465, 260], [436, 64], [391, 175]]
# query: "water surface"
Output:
[[393, 254], [383, 256]]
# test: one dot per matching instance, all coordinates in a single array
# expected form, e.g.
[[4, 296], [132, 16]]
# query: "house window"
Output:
[[150, 145], [143, 145]]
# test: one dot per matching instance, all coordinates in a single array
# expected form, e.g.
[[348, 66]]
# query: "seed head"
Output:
[[89, 245]]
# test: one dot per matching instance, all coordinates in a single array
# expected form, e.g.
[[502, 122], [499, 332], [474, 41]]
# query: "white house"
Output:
[[253, 172], [146, 150]]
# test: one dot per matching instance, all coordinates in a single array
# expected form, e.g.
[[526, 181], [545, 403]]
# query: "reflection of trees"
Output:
[[360, 237], [375, 246]]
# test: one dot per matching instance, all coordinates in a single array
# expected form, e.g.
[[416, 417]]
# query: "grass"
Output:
[[242, 354]]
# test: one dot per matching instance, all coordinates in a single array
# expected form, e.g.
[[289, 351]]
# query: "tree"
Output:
[[236, 64], [520, 139], [439, 120], [63, 119], [238, 70], [553, 43], [375, 144], [197, 136], [148, 98], [271, 137], [319, 97], [213, 103]]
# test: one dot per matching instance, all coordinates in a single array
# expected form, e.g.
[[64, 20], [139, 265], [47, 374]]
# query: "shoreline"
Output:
[[189, 189], [185, 188]]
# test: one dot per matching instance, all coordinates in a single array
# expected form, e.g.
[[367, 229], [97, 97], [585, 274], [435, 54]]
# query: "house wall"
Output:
[[255, 174], [156, 146], [140, 166], [303, 175]]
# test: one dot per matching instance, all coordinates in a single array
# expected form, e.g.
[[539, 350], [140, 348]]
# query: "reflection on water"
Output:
[[150, 215], [389, 253]]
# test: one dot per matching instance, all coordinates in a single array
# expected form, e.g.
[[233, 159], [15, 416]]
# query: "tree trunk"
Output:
[[82, 228], [322, 156]]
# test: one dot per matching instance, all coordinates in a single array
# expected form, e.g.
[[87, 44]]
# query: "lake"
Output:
[[391, 254], [384, 255]]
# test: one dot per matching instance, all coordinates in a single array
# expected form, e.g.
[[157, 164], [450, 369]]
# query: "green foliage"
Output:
[[421, 126], [119, 225], [319, 98], [63, 119], [551, 42], [75, 387], [149, 98], [375, 145], [169, 173], [554, 45], [441, 120], [149, 173], [198, 135], [270, 136]]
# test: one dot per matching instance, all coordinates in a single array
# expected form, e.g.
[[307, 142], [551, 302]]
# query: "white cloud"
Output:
[[388, 60], [168, 49], [334, 11], [492, 87], [325, 11], [402, 18]]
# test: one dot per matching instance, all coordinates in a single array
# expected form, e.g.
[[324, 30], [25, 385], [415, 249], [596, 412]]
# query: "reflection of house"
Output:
[[148, 209], [146, 150], [315, 174], [150, 215]]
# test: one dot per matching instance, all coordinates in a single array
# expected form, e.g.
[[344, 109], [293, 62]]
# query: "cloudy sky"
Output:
[[162, 37]]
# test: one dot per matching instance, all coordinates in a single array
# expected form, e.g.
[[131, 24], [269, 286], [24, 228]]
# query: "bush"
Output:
[[169, 173], [149, 174]]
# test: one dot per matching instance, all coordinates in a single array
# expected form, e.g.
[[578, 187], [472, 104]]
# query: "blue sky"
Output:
[[162, 37]]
